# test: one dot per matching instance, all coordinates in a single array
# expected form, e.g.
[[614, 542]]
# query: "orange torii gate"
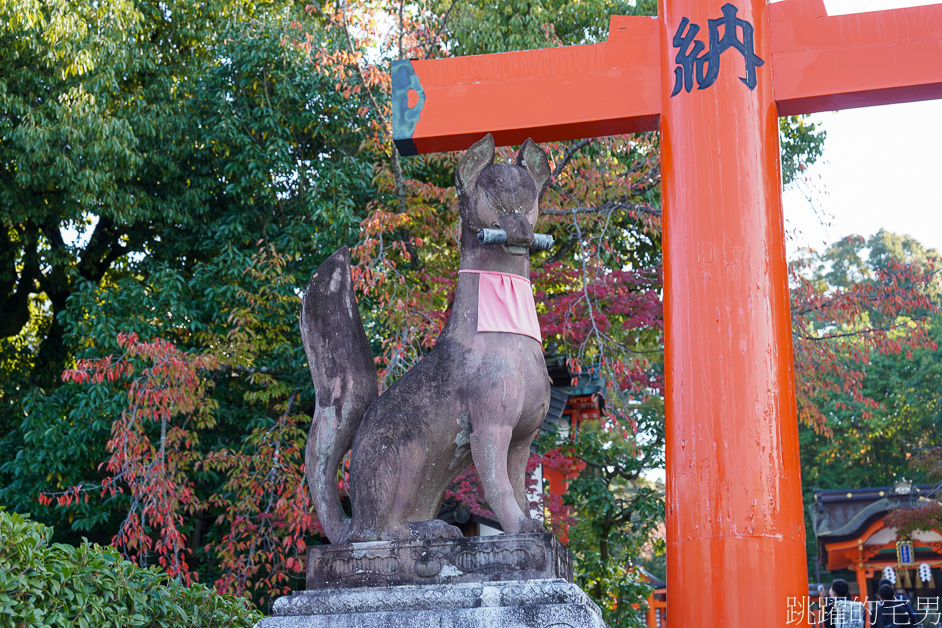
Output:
[[713, 76]]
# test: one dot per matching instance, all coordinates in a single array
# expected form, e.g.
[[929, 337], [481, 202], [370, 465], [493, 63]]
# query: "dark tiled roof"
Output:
[[841, 515], [563, 389], [558, 399], [587, 382]]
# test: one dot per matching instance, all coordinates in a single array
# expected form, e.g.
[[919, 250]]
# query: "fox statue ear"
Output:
[[534, 160], [478, 157]]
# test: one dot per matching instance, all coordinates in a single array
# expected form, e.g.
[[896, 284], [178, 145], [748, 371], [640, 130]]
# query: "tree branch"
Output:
[[607, 208], [16, 286], [438, 32], [573, 149], [396, 166]]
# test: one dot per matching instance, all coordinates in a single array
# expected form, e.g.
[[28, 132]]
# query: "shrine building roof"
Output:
[[842, 517]]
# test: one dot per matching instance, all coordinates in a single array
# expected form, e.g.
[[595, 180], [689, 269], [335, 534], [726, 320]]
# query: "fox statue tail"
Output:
[[341, 363]]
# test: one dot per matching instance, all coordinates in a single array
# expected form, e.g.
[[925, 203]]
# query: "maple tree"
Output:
[[154, 472], [867, 361], [262, 502], [926, 514], [845, 310]]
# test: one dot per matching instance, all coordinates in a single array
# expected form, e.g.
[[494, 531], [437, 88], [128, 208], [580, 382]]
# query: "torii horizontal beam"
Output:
[[819, 63]]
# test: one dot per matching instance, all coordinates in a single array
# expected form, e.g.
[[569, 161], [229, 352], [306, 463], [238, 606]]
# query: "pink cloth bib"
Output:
[[505, 304]]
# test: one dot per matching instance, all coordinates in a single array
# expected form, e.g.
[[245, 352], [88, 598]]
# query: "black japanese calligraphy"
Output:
[[695, 61]]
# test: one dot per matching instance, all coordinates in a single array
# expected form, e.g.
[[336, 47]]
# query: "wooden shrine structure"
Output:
[[851, 533], [713, 76]]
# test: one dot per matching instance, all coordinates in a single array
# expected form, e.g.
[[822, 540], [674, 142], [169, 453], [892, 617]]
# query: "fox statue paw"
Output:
[[531, 526], [432, 530]]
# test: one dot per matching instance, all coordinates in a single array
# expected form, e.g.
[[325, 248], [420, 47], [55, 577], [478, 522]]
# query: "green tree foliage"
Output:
[[95, 138], [55, 585], [480, 27], [802, 143], [258, 156], [614, 511], [873, 448]]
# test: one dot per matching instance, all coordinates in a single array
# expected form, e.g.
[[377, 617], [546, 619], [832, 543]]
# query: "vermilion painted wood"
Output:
[[822, 63], [843, 554], [819, 63], [862, 587], [549, 94], [735, 518]]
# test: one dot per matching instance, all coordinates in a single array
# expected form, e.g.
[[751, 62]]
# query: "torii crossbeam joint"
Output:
[[713, 76]]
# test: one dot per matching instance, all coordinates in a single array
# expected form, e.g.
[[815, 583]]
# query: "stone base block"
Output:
[[548, 603], [438, 561]]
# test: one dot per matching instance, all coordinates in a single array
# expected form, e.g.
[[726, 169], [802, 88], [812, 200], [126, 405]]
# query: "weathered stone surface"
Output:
[[439, 561], [476, 396], [551, 603]]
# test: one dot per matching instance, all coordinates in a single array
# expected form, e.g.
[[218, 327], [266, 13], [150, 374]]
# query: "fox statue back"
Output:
[[479, 395]]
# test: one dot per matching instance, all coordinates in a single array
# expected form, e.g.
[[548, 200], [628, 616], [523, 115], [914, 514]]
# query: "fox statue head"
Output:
[[494, 197]]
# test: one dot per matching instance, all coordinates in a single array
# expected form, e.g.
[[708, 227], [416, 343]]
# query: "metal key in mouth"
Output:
[[541, 241]]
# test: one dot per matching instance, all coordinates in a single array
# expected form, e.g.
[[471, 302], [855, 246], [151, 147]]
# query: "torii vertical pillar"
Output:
[[735, 525]]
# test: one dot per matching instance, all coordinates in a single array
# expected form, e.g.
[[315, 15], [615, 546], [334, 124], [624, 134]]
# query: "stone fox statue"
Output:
[[479, 395]]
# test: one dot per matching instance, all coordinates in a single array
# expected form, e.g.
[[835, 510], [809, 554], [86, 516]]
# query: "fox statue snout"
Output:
[[479, 395]]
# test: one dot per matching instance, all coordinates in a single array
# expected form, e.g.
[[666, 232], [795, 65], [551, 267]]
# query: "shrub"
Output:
[[92, 586]]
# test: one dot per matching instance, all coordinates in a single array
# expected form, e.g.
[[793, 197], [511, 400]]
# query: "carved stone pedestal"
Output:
[[440, 561], [506, 581], [523, 604]]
